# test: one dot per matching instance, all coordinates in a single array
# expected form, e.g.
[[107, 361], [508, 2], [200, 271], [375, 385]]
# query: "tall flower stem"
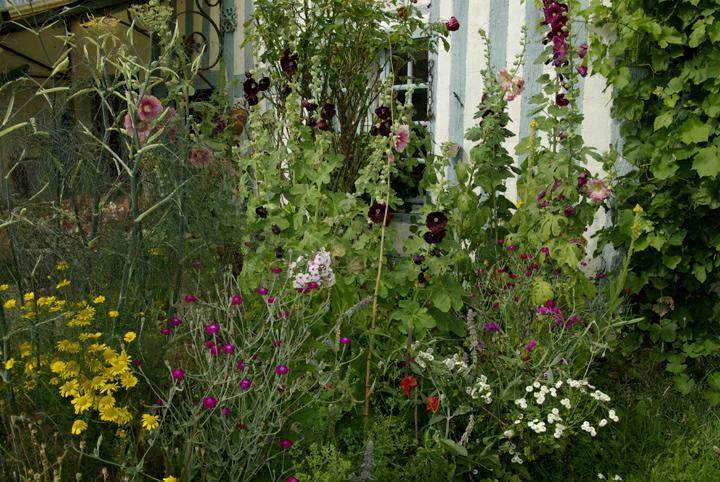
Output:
[[371, 345]]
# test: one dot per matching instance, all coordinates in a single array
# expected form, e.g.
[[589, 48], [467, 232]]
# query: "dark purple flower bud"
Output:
[[453, 24], [328, 111], [582, 70], [261, 211], [275, 229], [312, 122], [374, 131], [323, 125], [250, 86], [569, 211], [418, 258], [582, 50], [383, 112], [540, 196], [286, 90], [435, 252], [308, 105], [264, 84], [561, 101], [279, 252], [384, 129]]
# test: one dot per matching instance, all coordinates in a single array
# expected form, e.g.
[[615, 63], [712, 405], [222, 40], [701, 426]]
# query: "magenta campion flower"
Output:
[[212, 328], [344, 340], [245, 384], [209, 402], [175, 321], [490, 327], [276, 270], [190, 298], [225, 411], [286, 443], [166, 331], [177, 374], [196, 264], [292, 479], [228, 348], [271, 300], [281, 370], [236, 300], [531, 346], [402, 137], [201, 156], [262, 291], [453, 24], [241, 365], [597, 190], [545, 250], [150, 108]]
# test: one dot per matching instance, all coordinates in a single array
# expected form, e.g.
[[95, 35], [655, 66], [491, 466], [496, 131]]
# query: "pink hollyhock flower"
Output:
[[177, 374], [453, 24], [597, 190], [530, 346], [209, 402], [150, 108], [285, 443], [505, 80], [402, 137], [201, 156], [281, 370], [143, 128]]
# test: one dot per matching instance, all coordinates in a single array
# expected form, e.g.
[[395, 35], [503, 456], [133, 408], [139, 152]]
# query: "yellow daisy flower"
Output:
[[130, 336], [4, 286], [9, 304], [113, 313], [170, 478], [150, 422], [78, 427], [9, 363], [62, 284], [99, 299]]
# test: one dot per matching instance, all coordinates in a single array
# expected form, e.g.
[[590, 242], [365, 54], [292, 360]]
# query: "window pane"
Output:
[[420, 104], [420, 67]]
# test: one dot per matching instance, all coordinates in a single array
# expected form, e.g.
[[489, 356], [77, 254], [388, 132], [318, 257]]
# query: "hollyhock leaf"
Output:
[[694, 130], [663, 167], [541, 291], [707, 162], [663, 120], [683, 383], [442, 301]]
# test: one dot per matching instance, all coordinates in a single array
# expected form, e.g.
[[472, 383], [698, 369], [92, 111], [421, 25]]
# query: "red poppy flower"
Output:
[[433, 404], [407, 384]]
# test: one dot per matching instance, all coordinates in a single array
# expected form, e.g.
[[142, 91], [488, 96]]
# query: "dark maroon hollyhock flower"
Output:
[[312, 122], [434, 238], [250, 86], [582, 50], [328, 111], [279, 252], [384, 129], [275, 229], [582, 179], [453, 24], [261, 211], [383, 112], [436, 221], [435, 252], [582, 70], [376, 213], [286, 90], [374, 131], [418, 258], [308, 105], [569, 211], [288, 63], [264, 84], [252, 99], [323, 125], [561, 101]]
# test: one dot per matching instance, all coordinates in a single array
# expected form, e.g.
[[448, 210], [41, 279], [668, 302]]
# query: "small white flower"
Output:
[[536, 384], [529, 388], [553, 392], [602, 423], [600, 396], [559, 428], [508, 433], [617, 477], [612, 416], [516, 460], [565, 402], [601, 476], [559, 384], [521, 402]]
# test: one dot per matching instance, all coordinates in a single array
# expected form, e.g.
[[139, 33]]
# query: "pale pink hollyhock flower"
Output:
[[402, 137], [505, 80], [201, 156], [143, 128], [150, 108], [597, 190]]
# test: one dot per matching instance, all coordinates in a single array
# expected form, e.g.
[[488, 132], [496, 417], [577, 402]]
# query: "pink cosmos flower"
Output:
[[143, 128], [597, 190], [150, 108], [201, 156], [209, 402], [177, 374], [402, 137]]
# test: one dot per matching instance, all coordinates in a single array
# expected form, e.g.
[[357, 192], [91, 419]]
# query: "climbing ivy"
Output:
[[662, 59]]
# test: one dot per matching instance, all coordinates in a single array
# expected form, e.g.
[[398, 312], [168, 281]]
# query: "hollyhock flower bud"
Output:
[[582, 70], [271, 300], [177, 374], [212, 328], [344, 340], [561, 101], [452, 24], [236, 300], [279, 252], [175, 321], [245, 384], [384, 128], [262, 291], [209, 402], [286, 90], [582, 50], [285, 444], [323, 125], [264, 84], [540, 196], [150, 108], [582, 179], [311, 122], [281, 370]]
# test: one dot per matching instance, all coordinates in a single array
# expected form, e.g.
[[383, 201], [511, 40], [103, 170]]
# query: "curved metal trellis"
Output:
[[197, 42]]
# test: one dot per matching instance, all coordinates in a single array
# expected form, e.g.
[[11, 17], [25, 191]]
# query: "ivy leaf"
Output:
[[707, 162], [694, 130]]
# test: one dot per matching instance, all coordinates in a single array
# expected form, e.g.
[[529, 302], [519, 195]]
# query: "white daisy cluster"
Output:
[[456, 363], [588, 428], [537, 426], [481, 389], [424, 357], [318, 270], [600, 396]]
